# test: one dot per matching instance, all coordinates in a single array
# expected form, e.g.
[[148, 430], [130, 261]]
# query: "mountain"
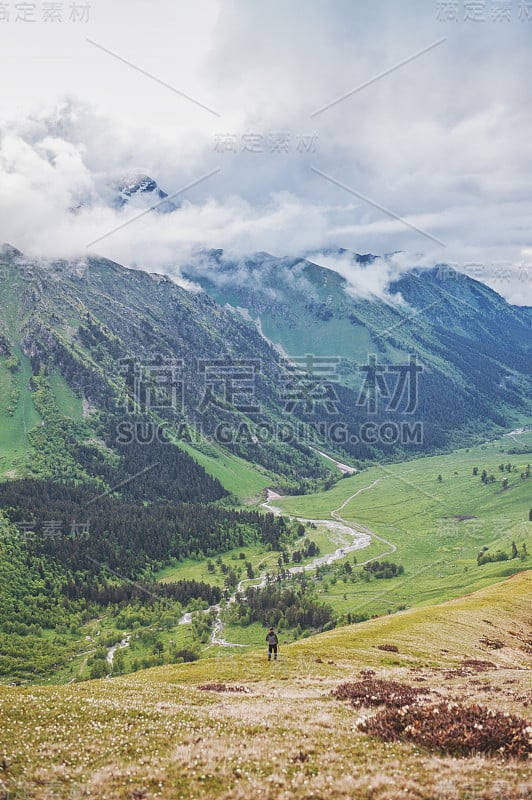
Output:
[[302, 307], [135, 190], [106, 371], [236, 726], [472, 344], [140, 190]]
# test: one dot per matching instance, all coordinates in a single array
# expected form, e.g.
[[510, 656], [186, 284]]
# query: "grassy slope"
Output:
[[14, 428], [242, 479], [287, 737], [15, 449], [68, 403], [405, 504], [313, 336]]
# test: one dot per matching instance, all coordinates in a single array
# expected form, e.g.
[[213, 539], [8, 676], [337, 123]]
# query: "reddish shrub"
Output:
[[477, 665], [377, 692], [469, 666], [454, 729]]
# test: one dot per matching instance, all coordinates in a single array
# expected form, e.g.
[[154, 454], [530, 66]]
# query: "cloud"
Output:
[[366, 281], [443, 141], [56, 186]]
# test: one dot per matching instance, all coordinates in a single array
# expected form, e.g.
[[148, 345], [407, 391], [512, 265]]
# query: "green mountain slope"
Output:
[[276, 730], [101, 372], [475, 348], [108, 373]]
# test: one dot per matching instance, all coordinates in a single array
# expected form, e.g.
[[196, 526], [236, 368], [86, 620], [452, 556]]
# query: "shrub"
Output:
[[186, 654], [377, 692], [454, 729]]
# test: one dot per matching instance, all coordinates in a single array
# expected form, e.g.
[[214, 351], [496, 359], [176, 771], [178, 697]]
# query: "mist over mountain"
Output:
[[141, 191], [441, 359], [75, 182]]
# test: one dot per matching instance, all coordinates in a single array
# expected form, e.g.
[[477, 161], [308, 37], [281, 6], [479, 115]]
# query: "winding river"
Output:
[[348, 536]]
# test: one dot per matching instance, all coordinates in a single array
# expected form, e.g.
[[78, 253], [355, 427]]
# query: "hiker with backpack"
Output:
[[272, 641]]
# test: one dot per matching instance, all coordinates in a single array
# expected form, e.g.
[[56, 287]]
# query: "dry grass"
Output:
[[158, 735]]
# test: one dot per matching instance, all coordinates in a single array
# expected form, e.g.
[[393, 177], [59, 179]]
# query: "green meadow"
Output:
[[18, 416], [172, 732], [68, 403], [246, 482], [438, 516]]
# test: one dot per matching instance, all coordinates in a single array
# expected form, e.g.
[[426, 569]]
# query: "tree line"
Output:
[[74, 527]]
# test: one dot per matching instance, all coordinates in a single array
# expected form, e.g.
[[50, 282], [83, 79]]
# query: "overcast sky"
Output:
[[429, 152]]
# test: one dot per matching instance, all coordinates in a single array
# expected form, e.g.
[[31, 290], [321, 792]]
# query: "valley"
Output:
[[422, 536], [143, 555], [266, 400], [230, 726], [438, 550]]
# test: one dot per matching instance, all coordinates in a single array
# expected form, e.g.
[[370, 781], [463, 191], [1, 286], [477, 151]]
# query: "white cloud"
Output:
[[442, 142], [365, 281]]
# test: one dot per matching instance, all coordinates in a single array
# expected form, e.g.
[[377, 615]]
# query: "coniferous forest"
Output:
[[68, 555]]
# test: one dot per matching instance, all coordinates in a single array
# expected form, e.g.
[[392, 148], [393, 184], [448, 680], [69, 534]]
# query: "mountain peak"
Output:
[[341, 252], [137, 186], [8, 251], [135, 183]]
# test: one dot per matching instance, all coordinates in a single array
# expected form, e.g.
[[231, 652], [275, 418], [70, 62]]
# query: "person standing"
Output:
[[272, 641]]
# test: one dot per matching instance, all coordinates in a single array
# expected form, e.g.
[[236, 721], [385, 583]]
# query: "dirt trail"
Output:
[[362, 528], [350, 536], [345, 469]]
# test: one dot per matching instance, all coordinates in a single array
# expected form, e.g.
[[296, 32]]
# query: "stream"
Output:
[[348, 536], [112, 650]]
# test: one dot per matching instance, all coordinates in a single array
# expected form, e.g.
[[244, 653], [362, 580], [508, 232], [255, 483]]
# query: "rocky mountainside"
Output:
[[91, 350], [141, 190]]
